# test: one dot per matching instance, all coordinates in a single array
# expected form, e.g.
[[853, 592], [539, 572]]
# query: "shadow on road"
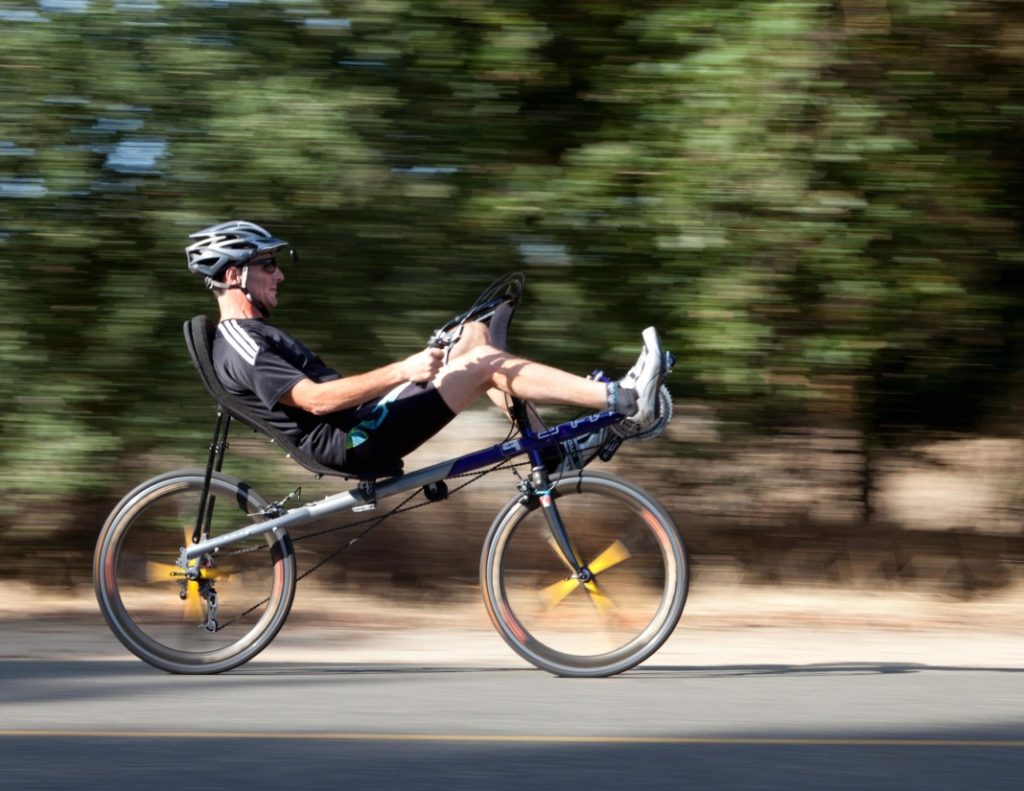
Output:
[[822, 669], [46, 671]]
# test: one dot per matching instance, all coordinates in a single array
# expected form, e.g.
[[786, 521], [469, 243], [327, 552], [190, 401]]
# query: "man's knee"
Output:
[[475, 334], [477, 363]]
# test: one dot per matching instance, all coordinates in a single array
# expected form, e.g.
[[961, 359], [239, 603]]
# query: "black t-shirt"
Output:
[[258, 364]]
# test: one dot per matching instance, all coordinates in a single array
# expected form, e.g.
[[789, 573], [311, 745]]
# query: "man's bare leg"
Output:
[[476, 334], [475, 367]]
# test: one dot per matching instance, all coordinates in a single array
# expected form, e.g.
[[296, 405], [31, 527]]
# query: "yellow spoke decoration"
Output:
[[601, 602], [612, 556], [554, 594], [162, 572]]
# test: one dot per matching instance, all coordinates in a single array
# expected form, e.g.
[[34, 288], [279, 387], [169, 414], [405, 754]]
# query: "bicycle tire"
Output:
[[638, 591], [148, 605]]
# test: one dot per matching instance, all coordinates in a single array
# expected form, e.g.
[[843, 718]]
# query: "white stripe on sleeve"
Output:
[[244, 336]]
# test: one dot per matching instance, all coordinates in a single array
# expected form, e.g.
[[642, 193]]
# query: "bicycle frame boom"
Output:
[[530, 443]]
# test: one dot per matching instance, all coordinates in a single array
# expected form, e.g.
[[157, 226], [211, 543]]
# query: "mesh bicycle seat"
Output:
[[199, 333]]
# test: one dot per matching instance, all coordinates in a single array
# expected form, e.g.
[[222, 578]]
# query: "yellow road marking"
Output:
[[510, 738]]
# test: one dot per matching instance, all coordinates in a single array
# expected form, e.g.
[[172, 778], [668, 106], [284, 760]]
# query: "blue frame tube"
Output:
[[533, 442]]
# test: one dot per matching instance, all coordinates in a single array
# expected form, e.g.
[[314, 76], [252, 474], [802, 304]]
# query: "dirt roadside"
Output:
[[723, 626]]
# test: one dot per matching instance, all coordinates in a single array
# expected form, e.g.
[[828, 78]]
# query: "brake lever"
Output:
[[439, 339]]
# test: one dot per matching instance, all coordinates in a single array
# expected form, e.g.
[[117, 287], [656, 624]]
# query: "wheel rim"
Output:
[[142, 586], [603, 625]]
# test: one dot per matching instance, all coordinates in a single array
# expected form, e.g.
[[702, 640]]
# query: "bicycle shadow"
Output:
[[642, 673], [362, 669]]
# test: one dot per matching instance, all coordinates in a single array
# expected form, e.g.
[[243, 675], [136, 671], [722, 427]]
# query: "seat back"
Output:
[[499, 324], [199, 334]]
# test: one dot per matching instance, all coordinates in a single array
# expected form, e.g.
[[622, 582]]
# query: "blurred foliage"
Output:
[[819, 203]]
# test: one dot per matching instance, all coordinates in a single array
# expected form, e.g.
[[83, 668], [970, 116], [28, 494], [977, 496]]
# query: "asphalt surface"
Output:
[[442, 707]]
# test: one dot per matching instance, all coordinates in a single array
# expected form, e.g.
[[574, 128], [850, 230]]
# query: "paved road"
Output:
[[77, 713]]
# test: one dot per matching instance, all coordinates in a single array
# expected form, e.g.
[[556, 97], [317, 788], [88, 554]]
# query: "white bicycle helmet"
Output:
[[232, 243]]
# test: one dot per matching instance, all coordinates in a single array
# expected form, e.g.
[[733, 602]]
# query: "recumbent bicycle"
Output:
[[582, 572]]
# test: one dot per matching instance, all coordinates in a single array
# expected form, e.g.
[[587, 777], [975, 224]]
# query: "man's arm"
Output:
[[320, 398]]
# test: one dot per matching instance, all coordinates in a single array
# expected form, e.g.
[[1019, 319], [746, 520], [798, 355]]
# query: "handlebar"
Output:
[[507, 288]]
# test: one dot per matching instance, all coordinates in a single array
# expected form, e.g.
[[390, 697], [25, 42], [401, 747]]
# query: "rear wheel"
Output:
[[214, 623], [622, 610]]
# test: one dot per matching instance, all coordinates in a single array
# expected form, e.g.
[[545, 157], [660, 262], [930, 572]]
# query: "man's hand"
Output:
[[422, 366]]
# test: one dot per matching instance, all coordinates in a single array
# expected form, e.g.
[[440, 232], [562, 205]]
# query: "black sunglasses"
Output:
[[268, 265]]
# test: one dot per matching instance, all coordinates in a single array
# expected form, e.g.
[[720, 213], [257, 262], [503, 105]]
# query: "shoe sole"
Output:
[[653, 341]]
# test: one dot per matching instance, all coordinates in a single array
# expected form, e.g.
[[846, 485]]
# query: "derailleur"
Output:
[[192, 574], [209, 595]]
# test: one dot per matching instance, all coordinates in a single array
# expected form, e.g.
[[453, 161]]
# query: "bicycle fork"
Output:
[[539, 487]]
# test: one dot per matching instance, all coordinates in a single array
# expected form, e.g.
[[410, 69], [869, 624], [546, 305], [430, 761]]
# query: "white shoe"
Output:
[[645, 377]]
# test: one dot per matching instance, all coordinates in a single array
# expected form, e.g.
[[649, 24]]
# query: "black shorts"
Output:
[[385, 431]]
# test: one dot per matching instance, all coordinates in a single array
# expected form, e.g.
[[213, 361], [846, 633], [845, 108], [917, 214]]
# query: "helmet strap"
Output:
[[258, 304], [263, 309]]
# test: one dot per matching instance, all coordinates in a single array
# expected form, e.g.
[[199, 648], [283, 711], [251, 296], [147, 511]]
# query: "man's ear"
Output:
[[233, 276]]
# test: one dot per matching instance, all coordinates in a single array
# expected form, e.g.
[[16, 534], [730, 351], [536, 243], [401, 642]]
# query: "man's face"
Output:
[[264, 275]]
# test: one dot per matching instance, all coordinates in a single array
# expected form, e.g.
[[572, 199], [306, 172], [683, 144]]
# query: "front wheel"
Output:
[[632, 594], [221, 619]]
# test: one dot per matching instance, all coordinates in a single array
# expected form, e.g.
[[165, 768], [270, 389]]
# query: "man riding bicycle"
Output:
[[369, 421]]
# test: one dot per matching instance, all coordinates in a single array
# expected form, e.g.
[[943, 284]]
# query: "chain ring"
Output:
[[657, 428]]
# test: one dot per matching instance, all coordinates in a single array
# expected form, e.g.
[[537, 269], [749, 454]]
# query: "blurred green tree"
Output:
[[818, 202]]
